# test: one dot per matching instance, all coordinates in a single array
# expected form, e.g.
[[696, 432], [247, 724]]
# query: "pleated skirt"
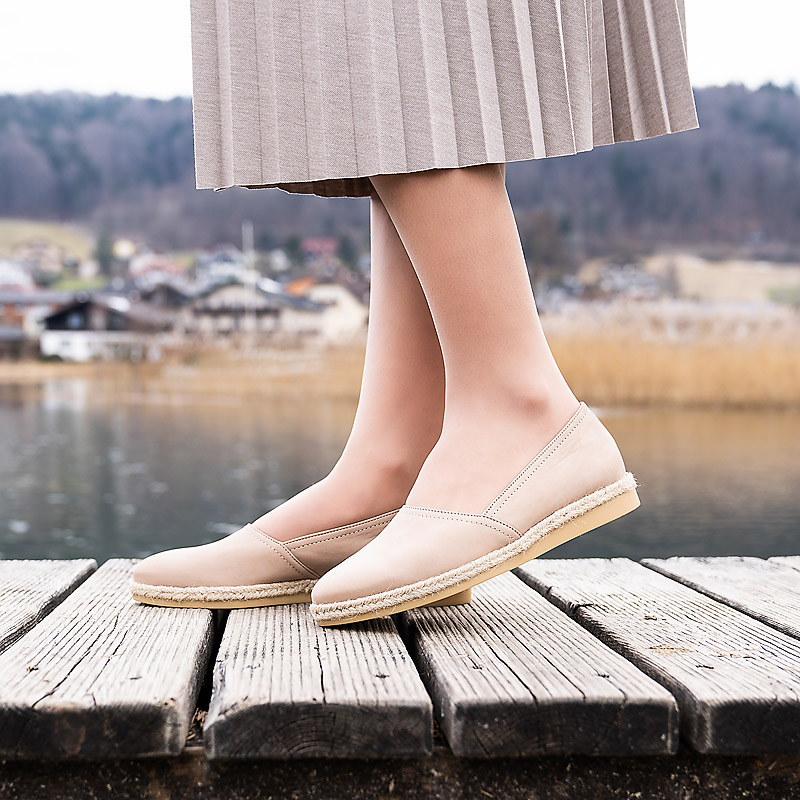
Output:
[[314, 96]]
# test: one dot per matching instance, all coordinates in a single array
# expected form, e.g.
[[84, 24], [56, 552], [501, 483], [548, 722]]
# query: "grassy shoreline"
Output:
[[605, 370]]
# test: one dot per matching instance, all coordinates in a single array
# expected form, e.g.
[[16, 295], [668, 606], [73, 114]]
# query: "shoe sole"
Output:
[[606, 504], [256, 596]]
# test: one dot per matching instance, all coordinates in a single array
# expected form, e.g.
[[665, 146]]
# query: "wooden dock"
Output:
[[589, 678]]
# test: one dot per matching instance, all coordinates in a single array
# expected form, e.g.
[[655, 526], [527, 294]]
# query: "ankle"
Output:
[[545, 401], [382, 482], [537, 402]]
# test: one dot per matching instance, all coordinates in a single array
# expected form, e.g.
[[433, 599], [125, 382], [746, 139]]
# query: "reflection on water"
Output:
[[80, 476], [711, 483]]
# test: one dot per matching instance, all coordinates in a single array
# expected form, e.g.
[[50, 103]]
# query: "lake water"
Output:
[[83, 476]]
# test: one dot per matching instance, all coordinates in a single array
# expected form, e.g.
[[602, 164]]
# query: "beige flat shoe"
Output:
[[250, 568], [577, 482]]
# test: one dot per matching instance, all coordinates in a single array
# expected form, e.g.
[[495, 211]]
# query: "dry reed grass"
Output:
[[612, 371], [612, 355], [212, 375], [679, 354]]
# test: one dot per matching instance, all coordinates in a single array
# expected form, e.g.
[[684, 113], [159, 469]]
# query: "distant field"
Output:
[[75, 241]]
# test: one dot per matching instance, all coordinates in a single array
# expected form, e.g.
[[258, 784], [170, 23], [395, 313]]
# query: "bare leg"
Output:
[[505, 396], [400, 408]]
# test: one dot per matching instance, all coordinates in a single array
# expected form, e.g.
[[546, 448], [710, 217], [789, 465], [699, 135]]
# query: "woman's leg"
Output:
[[400, 407], [505, 396]]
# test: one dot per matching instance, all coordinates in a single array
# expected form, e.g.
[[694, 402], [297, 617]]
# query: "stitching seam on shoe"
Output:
[[522, 478], [271, 543], [476, 521], [467, 517], [379, 521], [331, 538], [545, 452]]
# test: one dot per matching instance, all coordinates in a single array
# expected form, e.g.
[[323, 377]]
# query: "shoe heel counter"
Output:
[[602, 449], [583, 459]]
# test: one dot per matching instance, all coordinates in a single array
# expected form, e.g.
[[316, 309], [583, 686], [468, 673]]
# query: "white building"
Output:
[[13, 275], [344, 316], [104, 327]]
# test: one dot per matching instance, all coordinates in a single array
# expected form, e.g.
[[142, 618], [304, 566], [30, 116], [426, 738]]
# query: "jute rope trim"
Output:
[[212, 594], [342, 609]]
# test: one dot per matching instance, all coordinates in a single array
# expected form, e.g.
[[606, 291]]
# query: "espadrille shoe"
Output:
[[575, 483], [250, 568]]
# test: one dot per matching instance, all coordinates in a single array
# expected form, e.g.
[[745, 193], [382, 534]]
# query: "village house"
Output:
[[226, 262], [25, 310], [21, 315], [167, 294], [319, 248], [42, 257], [301, 311], [150, 269], [231, 307], [225, 308], [96, 326], [104, 326], [14, 275], [344, 315]]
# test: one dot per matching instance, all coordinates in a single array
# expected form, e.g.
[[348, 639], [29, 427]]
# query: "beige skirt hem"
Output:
[[316, 96], [359, 185]]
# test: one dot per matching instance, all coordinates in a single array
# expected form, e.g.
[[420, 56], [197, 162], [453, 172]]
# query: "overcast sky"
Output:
[[143, 47]]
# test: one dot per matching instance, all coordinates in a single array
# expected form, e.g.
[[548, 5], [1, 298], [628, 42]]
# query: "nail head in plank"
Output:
[[103, 676], [511, 675], [30, 590], [285, 687], [737, 681], [765, 590]]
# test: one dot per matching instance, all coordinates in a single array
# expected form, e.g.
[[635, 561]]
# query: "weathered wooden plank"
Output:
[[103, 676], [763, 589], [510, 674], [29, 590], [285, 687], [737, 680], [788, 561]]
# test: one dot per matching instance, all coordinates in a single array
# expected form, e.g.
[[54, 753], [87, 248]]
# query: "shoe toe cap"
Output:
[[338, 584], [161, 569], [331, 587], [357, 576], [239, 559]]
